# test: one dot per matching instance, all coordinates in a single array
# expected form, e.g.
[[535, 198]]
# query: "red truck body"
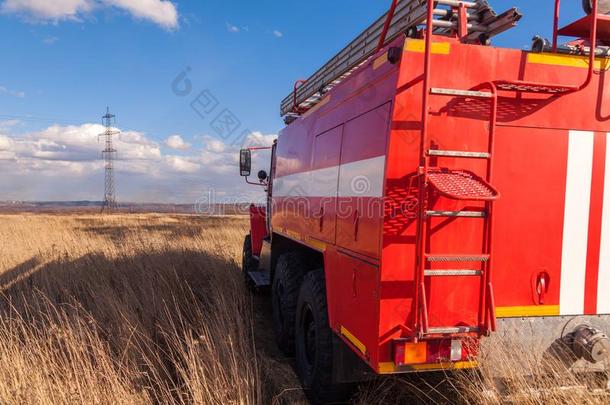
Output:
[[346, 184]]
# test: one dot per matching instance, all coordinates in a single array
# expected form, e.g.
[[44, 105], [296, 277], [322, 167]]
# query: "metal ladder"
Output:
[[404, 16], [454, 184], [463, 185]]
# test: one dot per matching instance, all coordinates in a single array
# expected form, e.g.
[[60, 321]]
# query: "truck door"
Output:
[[361, 182], [324, 183]]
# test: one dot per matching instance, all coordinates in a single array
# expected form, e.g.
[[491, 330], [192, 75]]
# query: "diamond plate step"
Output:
[[462, 185]]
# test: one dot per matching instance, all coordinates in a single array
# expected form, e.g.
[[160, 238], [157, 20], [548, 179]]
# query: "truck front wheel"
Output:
[[314, 343], [248, 262], [284, 295]]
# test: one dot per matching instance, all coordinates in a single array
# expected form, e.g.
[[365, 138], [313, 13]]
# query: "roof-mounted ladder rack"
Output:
[[404, 16]]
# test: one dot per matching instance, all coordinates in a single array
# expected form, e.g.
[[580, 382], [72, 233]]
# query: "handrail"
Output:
[[556, 25], [386, 27], [592, 45], [592, 39], [560, 88], [297, 84]]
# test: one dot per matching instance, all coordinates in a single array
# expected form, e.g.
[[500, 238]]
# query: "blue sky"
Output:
[[65, 60]]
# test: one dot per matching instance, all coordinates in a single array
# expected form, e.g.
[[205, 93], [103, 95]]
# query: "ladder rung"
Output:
[[451, 273], [466, 214], [452, 330], [460, 93], [457, 258], [459, 154]]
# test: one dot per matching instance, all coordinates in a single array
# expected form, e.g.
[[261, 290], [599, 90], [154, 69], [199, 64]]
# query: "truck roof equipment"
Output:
[[408, 15]]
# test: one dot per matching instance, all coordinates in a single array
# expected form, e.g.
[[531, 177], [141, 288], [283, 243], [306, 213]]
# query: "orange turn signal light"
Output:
[[416, 353]]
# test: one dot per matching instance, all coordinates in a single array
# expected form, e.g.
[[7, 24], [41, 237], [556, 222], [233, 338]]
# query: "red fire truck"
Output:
[[430, 189]]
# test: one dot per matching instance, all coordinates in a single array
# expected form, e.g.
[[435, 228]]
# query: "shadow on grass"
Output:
[[151, 293]]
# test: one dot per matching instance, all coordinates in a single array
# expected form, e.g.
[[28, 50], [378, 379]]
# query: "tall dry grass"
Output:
[[510, 372], [143, 309], [124, 309]]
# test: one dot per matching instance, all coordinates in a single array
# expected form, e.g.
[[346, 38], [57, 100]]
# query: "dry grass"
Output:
[[143, 309], [125, 309]]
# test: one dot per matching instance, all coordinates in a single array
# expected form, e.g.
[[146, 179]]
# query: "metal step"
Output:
[[455, 214], [456, 258], [461, 185], [260, 278], [459, 154], [460, 93], [537, 88], [452, 330], [452, 273]]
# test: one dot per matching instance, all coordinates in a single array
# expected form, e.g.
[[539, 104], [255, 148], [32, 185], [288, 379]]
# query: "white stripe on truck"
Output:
[[603, 281], [576, 223], [364, 178]]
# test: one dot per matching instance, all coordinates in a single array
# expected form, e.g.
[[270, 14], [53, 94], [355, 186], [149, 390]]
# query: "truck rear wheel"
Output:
[[284, 295], [248, 262], [314, 343]]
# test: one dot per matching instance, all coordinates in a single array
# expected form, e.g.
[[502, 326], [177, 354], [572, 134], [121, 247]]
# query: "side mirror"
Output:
[[245, 162], [262, 176]]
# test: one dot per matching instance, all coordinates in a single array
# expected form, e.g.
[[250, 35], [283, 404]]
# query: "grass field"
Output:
[[126, 309], [147, 309]]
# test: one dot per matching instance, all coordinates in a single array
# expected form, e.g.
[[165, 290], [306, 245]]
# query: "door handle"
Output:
[[321, 219], [356, 225], [542, 286]]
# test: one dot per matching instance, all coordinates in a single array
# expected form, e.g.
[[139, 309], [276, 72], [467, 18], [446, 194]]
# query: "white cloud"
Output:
[[278, 34], [50, 40], [232, 28], [5, 143], [213, 145], [160, 12], [8, 124], [176, 142], [64, 163], [10, 92], [182, 165], [53, 10]]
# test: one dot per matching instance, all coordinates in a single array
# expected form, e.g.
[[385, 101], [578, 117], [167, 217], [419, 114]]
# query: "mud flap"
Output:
[[348, 368]]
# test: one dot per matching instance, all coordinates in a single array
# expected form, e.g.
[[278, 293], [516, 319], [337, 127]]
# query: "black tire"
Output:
[[287, 280], [587, 5], [248, 262], [314, 343]]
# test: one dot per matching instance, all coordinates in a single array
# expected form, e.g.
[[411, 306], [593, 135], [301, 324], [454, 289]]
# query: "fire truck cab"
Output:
[[430, 191]]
